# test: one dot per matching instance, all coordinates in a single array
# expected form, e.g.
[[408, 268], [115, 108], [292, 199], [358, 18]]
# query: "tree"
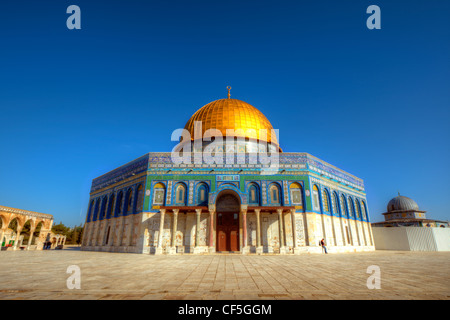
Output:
[[73, 235]]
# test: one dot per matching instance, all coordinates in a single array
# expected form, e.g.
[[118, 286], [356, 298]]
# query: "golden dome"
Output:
[[234, 114]]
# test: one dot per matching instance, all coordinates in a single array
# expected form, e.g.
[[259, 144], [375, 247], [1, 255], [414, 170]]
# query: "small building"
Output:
[[407, 228], [404, 212]]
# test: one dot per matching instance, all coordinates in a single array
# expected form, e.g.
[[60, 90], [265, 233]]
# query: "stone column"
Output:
[[19, 229], [294, 233], [30, 239], [259, 248], [173, 249], [245, 248], [281, 228], [161, 229], [198, 212], [212, 249], [39, 242]]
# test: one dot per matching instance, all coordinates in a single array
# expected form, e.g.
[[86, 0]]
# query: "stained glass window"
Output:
[[316, 204], [275, 194], [326, 202], [335, 204], [296, 194], [158, 194], [344, 206]]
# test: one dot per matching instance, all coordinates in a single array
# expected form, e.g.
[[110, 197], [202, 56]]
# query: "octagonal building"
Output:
[[155, 205]]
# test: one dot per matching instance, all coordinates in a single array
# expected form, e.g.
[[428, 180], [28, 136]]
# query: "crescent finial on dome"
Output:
[[229, 94]]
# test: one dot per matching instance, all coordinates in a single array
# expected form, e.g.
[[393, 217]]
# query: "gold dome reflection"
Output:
[[234, 114]]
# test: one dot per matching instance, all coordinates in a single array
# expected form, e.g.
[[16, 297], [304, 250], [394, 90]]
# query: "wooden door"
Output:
[[221, 240], [234, 240], [228, 231]]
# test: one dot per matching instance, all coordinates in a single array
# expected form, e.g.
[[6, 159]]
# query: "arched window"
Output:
[[139, 199], [180, 194], [97, 207], [159, 193], [358, 209], [336, 210], [344, 207], [129, 202], [315, 194], [351, 207], [202, 195], [91, 207], [326, 201], [103, 210], [119, 204], [110, 206], [253, 194], [296, 194], [363, 210], [274, 192]]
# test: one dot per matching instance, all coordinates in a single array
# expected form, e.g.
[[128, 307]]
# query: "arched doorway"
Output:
[[227, 207]]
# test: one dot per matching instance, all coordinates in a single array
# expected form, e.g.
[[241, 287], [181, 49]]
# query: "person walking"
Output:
[[322, 243]]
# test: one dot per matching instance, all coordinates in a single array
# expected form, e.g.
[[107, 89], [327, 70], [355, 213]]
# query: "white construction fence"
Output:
[[412, 238]]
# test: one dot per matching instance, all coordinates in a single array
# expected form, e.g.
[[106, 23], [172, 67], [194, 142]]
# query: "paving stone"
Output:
[[43, 275]]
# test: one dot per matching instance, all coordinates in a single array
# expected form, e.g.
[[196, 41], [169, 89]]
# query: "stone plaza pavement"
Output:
[[43, 275]]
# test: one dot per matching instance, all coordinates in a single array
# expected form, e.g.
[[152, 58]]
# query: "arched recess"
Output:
[[103, 208], [90, 211], [28, 226], [329, 229], [139, 199], [325, 201], [37, 233], [352, 214], [275, 194], [227, 226], [345, 214], [119, 207], [96, 209], [344, 207], [351, 207], [254, 194], [337, 211], [159, 194], [110, 206], [15, 224], [364, 211], [2, 229], [315, 198], [360, 218], [129, 202], [357, 209], [180, 194], [54, 242], [297, 195], [202, 194], [336, 206], [2, 221]]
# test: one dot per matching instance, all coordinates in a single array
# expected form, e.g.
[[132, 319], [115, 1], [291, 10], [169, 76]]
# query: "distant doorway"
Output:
[[228, 208]]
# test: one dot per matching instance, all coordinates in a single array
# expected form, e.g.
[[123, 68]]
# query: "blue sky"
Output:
[[75, 104]]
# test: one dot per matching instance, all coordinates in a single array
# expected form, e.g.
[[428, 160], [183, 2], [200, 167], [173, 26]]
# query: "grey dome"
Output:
[[402, 203]]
